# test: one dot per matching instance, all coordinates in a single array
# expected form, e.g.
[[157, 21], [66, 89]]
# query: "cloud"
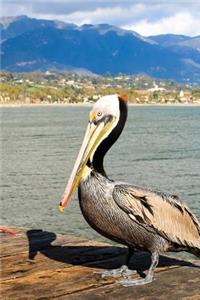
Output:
[[147, 17], [179, 23], [112, 15]]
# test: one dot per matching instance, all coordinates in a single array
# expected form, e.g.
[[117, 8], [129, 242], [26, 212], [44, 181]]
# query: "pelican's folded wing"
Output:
[[164, 214]]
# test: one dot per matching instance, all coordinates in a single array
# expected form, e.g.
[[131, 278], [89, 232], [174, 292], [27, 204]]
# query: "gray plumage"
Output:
[[133, 216]]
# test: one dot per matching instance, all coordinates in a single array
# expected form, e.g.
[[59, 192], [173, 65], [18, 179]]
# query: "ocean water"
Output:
[[159, 148]]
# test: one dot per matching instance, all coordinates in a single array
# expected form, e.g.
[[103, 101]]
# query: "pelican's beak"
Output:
[[94, 134]]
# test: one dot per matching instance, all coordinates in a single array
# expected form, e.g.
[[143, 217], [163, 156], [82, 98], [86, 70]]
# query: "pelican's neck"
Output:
[[98, 157]]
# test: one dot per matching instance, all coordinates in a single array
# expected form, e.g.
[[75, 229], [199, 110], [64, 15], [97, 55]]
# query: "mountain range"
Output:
[[29, 44]]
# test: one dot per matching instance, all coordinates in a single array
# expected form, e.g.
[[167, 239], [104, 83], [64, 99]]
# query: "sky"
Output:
[[147, 17]]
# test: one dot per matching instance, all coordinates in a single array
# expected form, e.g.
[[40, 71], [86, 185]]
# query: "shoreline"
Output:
[[80, 104]]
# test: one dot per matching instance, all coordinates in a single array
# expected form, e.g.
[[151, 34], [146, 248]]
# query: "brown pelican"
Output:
[[136, 217]]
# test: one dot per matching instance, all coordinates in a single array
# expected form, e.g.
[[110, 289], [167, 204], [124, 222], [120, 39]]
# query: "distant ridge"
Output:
[[29, 44]]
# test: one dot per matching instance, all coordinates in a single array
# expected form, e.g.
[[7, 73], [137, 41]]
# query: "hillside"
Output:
[[30, 44]]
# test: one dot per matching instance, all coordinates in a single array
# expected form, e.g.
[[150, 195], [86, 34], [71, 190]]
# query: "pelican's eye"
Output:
[[98, 117], [99, 114]]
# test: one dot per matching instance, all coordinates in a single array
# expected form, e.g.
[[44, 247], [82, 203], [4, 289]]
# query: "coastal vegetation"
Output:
[[56, 87]]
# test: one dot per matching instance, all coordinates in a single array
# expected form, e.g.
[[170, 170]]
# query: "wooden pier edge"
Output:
[[37, 264]]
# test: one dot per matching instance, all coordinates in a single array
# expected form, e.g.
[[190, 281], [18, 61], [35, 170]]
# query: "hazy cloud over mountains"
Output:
[[145, 17]]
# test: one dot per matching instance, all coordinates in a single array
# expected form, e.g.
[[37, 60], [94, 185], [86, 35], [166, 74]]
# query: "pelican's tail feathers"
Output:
[[195, 251]]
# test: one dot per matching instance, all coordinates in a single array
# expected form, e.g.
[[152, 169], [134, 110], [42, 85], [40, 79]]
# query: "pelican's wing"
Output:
[[164, 214]]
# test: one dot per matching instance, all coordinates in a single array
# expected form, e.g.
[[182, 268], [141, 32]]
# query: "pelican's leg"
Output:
[[123, 270], [150, 275]]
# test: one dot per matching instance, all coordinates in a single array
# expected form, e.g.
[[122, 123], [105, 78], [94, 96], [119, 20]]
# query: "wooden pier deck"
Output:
[[37, 264]]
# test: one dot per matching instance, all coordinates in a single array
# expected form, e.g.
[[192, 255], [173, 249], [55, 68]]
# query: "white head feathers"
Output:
[[108, 105]]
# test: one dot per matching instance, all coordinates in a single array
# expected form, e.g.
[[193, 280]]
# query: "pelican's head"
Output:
[[105, 123]]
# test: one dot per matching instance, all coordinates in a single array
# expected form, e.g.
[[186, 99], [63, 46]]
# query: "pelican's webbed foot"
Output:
[[122, 271], [132, 282], [150, 276]]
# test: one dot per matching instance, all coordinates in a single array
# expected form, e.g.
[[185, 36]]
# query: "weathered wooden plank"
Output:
[[177, 284], [43, 265], [61, 256], [34, 239]]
